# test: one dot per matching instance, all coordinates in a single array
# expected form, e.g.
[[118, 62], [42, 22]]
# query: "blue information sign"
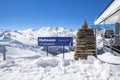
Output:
[[55, 41]]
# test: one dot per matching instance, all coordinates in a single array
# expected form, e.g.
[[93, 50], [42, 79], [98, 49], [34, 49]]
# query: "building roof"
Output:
[[110, 15]]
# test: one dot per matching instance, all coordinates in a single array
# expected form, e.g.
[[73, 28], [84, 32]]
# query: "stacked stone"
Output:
[[85, 42]]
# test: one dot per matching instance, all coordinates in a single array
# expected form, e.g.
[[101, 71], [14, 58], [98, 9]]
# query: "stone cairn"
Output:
[[85, 42]]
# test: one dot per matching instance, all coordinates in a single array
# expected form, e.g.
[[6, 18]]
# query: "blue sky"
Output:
[[24, 14]]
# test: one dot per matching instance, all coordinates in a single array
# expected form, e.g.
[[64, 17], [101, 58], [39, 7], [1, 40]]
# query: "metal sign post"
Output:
[[4, 54], [63, 53], [3, 43], [47, 50]]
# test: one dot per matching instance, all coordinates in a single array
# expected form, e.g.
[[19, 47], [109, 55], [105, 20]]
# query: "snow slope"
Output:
[[55, 68], [26, 61], [109, 58]]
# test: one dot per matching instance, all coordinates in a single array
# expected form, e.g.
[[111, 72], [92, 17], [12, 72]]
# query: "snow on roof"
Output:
[[110, 15]]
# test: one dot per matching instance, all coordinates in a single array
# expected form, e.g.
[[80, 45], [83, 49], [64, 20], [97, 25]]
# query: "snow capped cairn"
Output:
[[85, 42]]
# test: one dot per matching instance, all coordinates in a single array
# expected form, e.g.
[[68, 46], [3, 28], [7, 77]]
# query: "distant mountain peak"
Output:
[[29, 36]]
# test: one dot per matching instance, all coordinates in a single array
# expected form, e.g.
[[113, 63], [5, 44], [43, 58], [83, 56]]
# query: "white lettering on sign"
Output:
[[63, 40], [45, 40]]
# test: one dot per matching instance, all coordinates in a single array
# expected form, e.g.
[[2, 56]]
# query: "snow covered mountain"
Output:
[[28, 38]]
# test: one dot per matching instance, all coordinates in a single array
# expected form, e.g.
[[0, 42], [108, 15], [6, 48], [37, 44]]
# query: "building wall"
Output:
[[117, 32]]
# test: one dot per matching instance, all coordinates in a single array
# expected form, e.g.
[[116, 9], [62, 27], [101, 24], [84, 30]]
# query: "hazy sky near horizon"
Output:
[[24, 14]]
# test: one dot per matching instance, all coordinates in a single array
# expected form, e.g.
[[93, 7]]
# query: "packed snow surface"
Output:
[[37, 66], [26, 61], [110, 58]]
